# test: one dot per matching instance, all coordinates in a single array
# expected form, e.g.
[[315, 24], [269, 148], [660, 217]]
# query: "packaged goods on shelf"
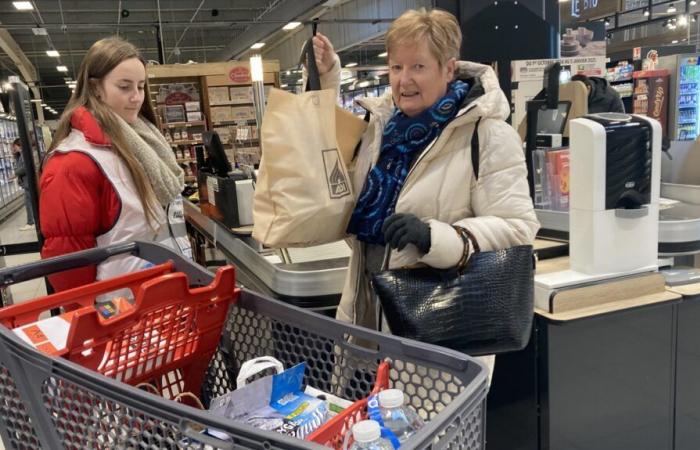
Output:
[[242, 94], [218, 95], [221, 114]]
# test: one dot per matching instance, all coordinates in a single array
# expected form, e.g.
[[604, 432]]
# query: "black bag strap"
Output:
[[313, 79], [475, 148]]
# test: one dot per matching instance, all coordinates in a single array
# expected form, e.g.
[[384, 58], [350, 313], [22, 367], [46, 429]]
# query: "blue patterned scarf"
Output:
[[404, 138]]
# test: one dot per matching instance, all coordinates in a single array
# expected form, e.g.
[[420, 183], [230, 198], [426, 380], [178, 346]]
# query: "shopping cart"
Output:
[[53, 403]]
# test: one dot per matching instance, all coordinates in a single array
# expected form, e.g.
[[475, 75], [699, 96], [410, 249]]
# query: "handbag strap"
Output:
[[475, 148]]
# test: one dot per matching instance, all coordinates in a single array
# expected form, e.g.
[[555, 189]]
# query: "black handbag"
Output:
[[483, 306]]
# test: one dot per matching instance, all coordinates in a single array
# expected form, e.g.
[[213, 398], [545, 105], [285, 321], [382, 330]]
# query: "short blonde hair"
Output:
[[438, 28]]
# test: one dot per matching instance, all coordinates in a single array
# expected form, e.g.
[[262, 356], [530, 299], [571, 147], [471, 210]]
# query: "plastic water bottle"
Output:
[[401, 419], [368, 436]]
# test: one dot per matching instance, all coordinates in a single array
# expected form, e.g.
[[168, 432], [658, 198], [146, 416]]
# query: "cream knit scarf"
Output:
[[156, 157]]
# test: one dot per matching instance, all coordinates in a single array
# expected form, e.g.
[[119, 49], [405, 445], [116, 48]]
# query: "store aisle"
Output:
[[10, 234]]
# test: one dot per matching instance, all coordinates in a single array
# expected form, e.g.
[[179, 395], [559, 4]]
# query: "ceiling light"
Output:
[[62, 68], [53, 53], [39, 31], [363, 84], [693, 3], [44, 105], [683, 21], [36, 100], [383, 55], [282, 86], [671, 9], [694, 17], [351, 64], [607, 22], [23, 6], [257, 45], [349, 80], [291, 26], [675, 41], [646, 12]]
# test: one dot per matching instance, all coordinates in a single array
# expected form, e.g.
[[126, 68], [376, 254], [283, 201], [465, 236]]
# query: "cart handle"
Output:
[[149, 251]]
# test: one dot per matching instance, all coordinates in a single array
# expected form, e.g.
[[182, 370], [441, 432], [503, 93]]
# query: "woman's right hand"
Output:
[[325, 55]]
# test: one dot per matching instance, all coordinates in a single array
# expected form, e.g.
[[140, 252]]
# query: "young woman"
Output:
[[110, 175]]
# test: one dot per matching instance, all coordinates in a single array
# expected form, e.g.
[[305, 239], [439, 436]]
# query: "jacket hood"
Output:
[[598, 86], [485, 98], [83, 121]]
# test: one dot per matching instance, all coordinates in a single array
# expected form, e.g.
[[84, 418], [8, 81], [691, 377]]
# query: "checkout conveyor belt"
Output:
[[313, 284]]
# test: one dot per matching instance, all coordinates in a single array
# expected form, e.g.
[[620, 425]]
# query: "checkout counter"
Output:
[[311, 283], [616, 365]]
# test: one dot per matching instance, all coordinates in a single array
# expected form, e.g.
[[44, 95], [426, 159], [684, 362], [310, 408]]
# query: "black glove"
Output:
[[403, 229]]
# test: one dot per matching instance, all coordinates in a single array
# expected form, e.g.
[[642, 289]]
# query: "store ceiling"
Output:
[[195, 30]]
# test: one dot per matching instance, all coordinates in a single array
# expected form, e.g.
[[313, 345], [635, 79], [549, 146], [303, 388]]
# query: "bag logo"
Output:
[[338, 185]]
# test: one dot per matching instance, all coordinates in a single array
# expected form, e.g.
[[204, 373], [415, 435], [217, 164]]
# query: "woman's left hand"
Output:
[[403, 229]]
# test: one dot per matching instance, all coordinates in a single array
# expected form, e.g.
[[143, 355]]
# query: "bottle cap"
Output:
[[366, 431], [391, 398]]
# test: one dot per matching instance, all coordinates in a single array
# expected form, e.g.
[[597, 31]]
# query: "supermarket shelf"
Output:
[[197, 123], [194, 142], [688, 106], [231, 104], [231, 122]]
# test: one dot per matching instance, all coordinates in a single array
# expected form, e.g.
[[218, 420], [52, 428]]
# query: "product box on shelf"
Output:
[[193, 116], [218, 95], [175, 113], [243, 94], [192, 106], [221, 114], [243, 113]]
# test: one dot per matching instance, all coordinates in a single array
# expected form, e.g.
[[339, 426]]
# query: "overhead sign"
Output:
[[582, 10]]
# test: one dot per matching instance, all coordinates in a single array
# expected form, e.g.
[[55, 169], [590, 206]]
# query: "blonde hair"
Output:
[[438, 28], [102, 57]]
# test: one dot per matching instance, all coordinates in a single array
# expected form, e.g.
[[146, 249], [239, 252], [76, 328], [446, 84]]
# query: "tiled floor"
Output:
[[10, 234]]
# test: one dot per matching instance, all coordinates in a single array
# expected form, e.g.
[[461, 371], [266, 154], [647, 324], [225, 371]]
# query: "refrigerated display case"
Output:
[[687, 92], [650, 95], [9, 189]]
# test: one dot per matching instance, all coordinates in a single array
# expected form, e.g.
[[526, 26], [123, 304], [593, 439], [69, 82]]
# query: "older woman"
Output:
[[414, 171]]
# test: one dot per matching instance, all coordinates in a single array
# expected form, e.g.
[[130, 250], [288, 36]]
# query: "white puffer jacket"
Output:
[[441, 188]]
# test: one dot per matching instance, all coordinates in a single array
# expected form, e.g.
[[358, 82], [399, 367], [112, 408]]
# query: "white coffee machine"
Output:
[[615, 169]]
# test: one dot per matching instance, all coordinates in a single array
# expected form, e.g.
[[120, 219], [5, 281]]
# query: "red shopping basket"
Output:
[[332, 434], [167, 337]]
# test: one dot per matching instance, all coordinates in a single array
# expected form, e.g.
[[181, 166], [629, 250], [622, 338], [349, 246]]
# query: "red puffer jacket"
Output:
[[77, 203]]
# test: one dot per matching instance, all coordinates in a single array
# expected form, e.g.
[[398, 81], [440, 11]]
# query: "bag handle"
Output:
[[313, 78], [255, 366]]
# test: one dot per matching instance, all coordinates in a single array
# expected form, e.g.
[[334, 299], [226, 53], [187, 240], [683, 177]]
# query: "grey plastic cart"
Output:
[[52, 403]]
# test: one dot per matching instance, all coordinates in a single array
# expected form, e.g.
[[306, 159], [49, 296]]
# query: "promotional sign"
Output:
[[533, 69], [588, 39], [528, 75]]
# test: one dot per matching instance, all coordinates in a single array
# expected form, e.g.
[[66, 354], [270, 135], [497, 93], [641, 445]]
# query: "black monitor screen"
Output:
[[218, 161]]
